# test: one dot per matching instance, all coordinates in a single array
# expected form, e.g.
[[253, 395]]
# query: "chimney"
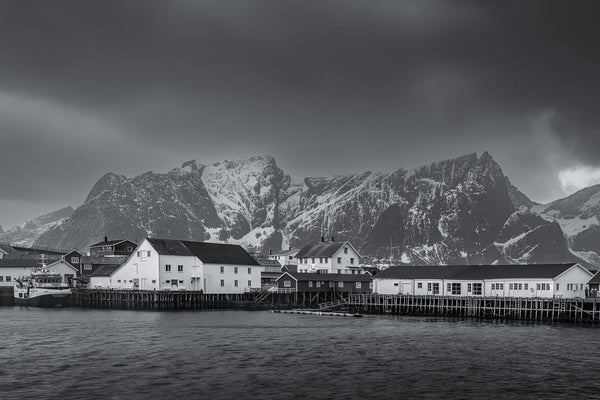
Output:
[[105, 239], [332, 239], [323, 239], [270, 251]]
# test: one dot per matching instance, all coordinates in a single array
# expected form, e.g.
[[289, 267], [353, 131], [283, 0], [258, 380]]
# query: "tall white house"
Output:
[[535, 280], [166, 264], [329, 257]]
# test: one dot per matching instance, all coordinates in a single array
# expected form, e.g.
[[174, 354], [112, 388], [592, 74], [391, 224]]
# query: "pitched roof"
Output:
[[100, 260], [212, 253], [19, 262], [105, 270], [111, 242], [472, 272], [320, 249], [595, 279], [169, 247], [266, 262], [218, 253], [308, 276], [283, 252]]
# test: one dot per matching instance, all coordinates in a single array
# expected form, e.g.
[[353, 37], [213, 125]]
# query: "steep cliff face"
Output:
[[462, 210]]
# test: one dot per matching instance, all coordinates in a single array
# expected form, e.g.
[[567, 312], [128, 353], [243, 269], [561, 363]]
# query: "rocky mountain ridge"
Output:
[[457, 211], [28, 232]]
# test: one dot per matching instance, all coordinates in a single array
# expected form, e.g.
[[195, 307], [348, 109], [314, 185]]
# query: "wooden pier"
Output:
[[513, 308]]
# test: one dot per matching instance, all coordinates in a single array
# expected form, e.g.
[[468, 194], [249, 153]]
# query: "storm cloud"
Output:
[[88, 87]]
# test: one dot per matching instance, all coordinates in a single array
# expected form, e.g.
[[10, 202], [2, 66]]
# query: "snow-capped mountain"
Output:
[[462, 210], [27, 233]]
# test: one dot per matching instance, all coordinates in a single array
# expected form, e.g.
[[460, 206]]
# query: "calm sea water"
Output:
[[96, 354]]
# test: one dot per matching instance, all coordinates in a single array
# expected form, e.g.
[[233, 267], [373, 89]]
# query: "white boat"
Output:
[[43, 288]]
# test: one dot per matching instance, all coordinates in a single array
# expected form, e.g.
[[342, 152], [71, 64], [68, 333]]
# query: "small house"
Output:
[[329, 257]]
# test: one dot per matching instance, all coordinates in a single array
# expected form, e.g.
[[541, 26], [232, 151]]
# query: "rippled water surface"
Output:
[[93, 354]]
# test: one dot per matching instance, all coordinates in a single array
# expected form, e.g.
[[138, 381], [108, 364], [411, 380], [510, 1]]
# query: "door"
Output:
[[405, 288]]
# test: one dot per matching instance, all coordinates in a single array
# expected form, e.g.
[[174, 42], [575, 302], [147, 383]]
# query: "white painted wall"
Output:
[[330, 264], [213, 278], [137, 267], [576, 275], [59, 267]]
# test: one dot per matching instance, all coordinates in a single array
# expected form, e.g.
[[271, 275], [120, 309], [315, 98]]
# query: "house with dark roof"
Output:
[[167, 264], [594, 285], [329, 257], [110, 248], [285, 257], [310, 282], [533, 280], [13, 268]]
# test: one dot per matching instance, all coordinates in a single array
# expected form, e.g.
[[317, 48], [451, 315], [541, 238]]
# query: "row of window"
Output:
[[236, 270], [143, 253], [339, 271], [235, 283], [340, 284], [322, 260], [8, 278], [573, 286], [168, 268]]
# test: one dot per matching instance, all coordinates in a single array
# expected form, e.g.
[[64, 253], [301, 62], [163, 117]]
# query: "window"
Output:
[[429, 286], [310, 283], [351, 260], [510, 286], [339, 271], [168, 267], [235, 270], [153, 281], [74, 260], [180, 281], [331, 283], [249, 270], [538, 286], [396, 284], [318, 283], [119, 281], [129, 249], [137, 253], [526, 286], [420, 285], [313, 260], [358, 285], [345, 250], [320, 260], [287, 283], [222, 270], [520, 286], [87, 267], [249, 283], [291, 257], [339, 260], [557, 286], [180, 268], [370, 285], [456, 288], [340, 284], [326, 259], [436, 288], [222, 282], [235, 283], [168, 281], [468, 287], [1, 279], [493, 286], [477, 289]]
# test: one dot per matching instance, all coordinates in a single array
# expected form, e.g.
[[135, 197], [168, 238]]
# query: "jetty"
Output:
[[317, 312]]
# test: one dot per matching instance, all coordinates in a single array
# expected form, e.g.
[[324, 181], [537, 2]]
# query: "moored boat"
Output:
[[43, 288]]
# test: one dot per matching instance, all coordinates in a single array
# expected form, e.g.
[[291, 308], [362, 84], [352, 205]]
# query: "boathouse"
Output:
[[166, 264], [108, 248], [534, 280], [329, 257], [13, 268], [304, 282]]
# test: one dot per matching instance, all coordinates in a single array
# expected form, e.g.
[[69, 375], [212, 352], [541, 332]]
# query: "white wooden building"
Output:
[[166, 264], [285, 257], [330, 258], [536, 280], [13, 268]]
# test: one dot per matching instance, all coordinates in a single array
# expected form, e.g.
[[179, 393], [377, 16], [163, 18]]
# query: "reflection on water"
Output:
[[94, 354]]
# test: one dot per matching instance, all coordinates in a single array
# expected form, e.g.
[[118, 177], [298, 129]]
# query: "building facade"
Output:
[[165, 264], [285, 257], [110, 248], [552, 280], [343, 284], [329, 257], [15, 268]]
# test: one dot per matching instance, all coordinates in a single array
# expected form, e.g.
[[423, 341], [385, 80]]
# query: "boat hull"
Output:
[[43, 298]]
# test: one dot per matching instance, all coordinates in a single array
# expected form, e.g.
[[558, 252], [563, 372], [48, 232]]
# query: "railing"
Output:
[[333, 304], [286, 290]]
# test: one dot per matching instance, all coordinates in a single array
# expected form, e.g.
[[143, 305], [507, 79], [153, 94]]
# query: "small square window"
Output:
[[180, 268], [249, 283], [236, 283], [339, 260], [222, 270], [287, 283], [249, 270], [167, 267], [358, 285], [235, 270], [310, 283], [420, 285], [222, 283]]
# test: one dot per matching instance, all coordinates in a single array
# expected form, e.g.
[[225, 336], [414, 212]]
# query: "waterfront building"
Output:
[[285, 257], [271, 269], [594, 285], [112, 248], [307, 282], [329, 257], [14, 268], [166, 264], [75, 257], [3, 253], [33, 252], [535, 280]]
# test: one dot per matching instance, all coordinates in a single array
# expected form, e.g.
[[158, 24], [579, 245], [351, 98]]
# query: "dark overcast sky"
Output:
[[326, 87]]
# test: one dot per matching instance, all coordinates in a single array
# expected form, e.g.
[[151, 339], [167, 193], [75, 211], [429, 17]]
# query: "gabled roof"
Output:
[[169, 247], [304, 276], [100, 260], [320, 249], [267, 262], [284, 252], [595, 279], [19, 262], [475, 272], [211, 253], [112, 243], [105, 270], [63, 262]]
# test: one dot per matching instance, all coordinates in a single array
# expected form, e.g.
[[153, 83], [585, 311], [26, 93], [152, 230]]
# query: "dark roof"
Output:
[[40, 249], [283, 252], [105, 270], [218, 253], [100, 260], [19, 262], [170, 247], [595, 279], [466, 272], [212, 253], [112, 242], [320, 249], [309, 276], [265, 262]]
